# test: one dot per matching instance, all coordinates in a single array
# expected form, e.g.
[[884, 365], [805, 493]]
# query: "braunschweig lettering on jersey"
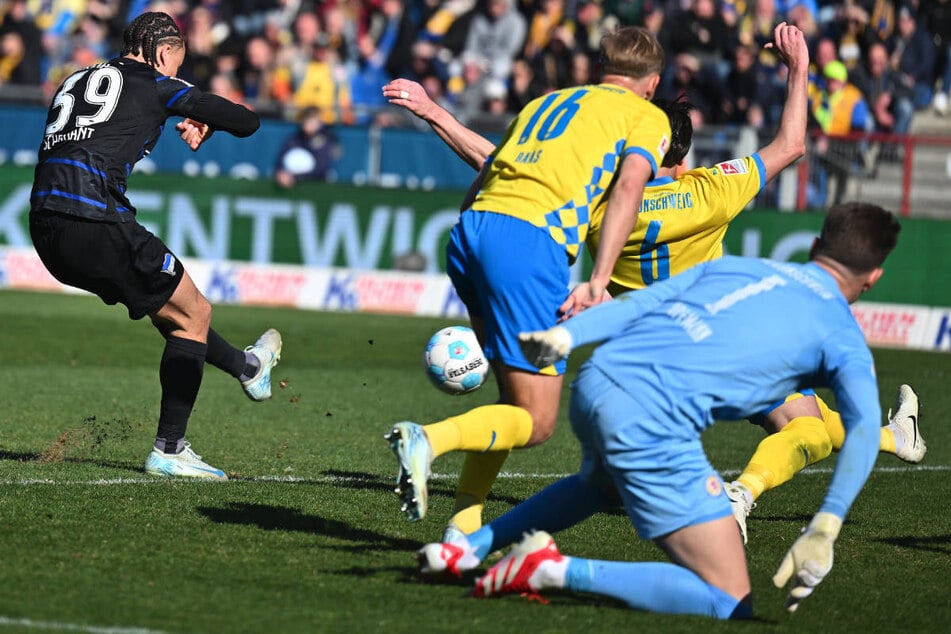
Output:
[[682, 221]]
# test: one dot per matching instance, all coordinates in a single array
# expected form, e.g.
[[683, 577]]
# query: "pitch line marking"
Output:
[[332, 479], [6, 621]]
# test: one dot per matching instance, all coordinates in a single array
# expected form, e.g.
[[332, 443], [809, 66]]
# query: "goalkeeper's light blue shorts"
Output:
[[513, 276], [662, 474]]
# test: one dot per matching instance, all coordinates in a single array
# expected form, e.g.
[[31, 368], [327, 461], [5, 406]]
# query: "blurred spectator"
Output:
[[913, 56], [425, 61], [590, 27], [691, 83], [296, 56], [493, 115], [12, 52], [889, 99], [259, 80], [702, 32], [79, 57], [839, 108], [824, 53], [225, 84], [553, 65], [937, 19], [881, 17], [852, 33], [549, 15], [21, 48], [201, 41], [470, 88], [630, 11], [370, 75], [340, 30], [741, 87], [755, 29], [441, 18], [326, 86], [247, 17], [496, 36], [395, 15], [309, 154], [524, 86], [803, 14], [581, 71]]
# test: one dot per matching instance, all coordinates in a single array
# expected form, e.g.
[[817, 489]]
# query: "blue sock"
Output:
[[654, 587], [554, 508]]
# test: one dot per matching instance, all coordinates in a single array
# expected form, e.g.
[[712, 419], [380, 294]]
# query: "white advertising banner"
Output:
[[424, 294]]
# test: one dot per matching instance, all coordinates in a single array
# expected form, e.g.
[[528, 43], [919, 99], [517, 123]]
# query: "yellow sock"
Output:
[[478, 475], [886, 440], [803, 441], [836, 430], [486, 428]]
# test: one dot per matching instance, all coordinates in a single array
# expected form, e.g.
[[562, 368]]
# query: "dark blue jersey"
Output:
[[102, 120]]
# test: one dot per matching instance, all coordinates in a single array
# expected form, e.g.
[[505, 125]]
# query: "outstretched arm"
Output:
[[469, 145], [790, 141], [810, 558]]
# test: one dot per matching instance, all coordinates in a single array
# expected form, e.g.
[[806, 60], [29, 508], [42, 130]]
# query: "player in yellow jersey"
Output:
[[682, 221], [567, 157]]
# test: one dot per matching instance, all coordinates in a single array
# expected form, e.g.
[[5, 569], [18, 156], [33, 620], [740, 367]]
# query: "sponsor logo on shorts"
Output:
[[714, 488], [168, 266]]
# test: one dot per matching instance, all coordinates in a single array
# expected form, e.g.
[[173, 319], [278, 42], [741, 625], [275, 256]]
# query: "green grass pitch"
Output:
[[307, 536]]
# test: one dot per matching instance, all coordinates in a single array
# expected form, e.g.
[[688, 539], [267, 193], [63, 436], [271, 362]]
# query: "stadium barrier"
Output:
[[908, 174], [423, 294]]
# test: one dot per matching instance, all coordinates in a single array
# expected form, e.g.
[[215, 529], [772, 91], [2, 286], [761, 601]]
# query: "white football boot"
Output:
[[905, 423], [187, 464], [267, 349]]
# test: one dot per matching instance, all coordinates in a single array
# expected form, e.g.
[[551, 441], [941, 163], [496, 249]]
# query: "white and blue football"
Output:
[[454, 361]]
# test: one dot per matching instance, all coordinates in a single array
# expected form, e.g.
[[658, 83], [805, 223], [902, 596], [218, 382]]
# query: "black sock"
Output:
[[224, 356], [180, 373]]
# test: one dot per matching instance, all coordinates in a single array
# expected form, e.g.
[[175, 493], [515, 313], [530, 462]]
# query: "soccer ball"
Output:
[[454, 362]]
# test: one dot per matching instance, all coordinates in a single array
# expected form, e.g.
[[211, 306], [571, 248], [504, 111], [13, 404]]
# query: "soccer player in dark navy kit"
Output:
[[102, 120]]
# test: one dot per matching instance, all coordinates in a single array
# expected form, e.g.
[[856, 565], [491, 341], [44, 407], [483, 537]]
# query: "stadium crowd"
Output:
[[485, 59]]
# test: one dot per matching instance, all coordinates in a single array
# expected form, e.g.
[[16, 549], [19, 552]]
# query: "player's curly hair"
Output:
[[858, 235], [149, 31], [681, 129]]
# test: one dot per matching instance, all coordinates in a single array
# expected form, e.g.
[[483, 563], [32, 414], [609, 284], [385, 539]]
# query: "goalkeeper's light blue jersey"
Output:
[[726, 339]]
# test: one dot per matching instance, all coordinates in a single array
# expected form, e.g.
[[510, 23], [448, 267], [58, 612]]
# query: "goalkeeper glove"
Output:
[[810, 558], [543, 347]]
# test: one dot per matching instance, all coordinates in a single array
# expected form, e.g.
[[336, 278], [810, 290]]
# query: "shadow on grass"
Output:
[[281, 518], [18, 456], [936, 543], [371, 482], [44, 458]]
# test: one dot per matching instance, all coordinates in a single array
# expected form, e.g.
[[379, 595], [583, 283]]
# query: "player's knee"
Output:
[[542, 429], [811, 436]]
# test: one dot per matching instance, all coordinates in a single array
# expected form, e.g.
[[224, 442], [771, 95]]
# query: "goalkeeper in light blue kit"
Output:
[[723, 340]]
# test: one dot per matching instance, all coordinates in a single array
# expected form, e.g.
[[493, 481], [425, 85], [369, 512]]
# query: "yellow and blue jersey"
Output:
[[682, 221], [560, 154]]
